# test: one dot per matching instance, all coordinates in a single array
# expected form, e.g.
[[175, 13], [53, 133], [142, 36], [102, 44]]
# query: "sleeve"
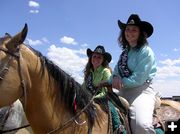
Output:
[[145, 63], [115, 73], [106, 76]]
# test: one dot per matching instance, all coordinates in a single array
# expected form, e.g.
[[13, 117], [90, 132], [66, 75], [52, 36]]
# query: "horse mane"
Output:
[[68, 87]]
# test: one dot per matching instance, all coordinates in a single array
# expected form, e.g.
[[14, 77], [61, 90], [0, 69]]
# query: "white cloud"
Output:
[[170, 62], [168, 71], [34, 11], [34, 42], [84, 45], [167, 88], [68, 60], [34, 7], [167, 80], [164, 55], [176, 49], [68, 40], [44, 40], [80, 51], [33, 4]]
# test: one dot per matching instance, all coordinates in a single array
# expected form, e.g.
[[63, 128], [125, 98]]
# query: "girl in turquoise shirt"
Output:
[[134, 73]]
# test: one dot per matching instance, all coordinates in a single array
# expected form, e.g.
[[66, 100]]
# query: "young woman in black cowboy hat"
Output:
[[134, 72], [97, 70]]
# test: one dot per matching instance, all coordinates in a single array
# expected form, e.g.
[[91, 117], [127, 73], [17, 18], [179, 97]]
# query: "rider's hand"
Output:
[[99, 85], [103, 84], [117, 83]]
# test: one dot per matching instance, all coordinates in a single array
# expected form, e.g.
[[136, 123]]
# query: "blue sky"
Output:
[[63, 29]]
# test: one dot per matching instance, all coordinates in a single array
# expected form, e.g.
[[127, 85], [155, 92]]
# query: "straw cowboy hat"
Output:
[[100, 50], [135, 20]]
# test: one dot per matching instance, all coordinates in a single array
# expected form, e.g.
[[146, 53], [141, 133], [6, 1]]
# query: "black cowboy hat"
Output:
[[100, 50], [135, 20]]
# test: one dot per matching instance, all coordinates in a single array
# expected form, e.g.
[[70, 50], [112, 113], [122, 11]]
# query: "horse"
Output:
[[13, 119], [52, 100], [46, 91]]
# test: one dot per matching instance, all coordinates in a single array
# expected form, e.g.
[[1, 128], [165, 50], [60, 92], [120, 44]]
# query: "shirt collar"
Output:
[[99, 69]]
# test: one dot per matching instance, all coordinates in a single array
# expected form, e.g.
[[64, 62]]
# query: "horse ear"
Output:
[[18, 39], [7, 35]]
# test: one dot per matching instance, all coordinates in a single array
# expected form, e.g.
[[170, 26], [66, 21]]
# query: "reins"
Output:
[[14, 129], [67, 123]]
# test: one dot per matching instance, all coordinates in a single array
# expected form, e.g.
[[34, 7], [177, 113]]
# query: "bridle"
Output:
[[5, 70]]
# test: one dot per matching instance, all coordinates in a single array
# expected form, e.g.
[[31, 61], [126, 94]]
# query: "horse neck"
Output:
[[44, 109]]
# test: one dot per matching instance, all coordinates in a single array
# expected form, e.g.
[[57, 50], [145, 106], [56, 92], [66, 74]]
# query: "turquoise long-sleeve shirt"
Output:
[[142, 65]]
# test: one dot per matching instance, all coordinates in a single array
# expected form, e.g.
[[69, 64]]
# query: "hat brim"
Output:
[[89, 52], [145, 26], [121, 25], [107, 55]]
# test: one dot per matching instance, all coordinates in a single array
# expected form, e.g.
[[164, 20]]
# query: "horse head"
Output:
[[10, 72]]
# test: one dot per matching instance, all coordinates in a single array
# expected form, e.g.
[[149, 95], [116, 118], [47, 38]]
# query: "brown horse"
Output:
[[46, 92]]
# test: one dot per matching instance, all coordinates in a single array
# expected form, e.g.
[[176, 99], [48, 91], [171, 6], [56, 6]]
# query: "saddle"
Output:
[[121, 103], [168, 111]]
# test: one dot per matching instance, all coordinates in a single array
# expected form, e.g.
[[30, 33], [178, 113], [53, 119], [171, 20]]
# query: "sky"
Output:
[[62, 30]]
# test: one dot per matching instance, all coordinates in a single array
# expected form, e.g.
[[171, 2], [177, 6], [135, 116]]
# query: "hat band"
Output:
[[99, 50], [131, 22]]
